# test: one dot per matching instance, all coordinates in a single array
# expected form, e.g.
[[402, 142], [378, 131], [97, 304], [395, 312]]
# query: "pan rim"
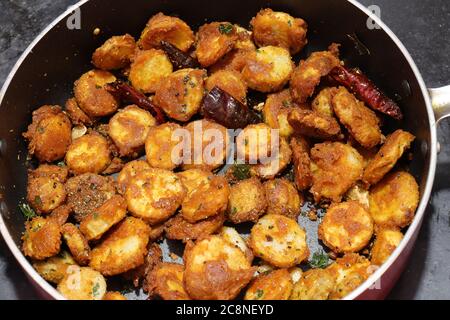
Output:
[[432, 150], [17, 253]]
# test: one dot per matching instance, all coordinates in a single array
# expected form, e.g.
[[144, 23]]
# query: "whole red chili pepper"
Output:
[[366, 91], [220, 106], [179, 59], [128, 94]]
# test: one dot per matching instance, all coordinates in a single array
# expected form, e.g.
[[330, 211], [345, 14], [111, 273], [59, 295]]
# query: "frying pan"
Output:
[[45, 74]]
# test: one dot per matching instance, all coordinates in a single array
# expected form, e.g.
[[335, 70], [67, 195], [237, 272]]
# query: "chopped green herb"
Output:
[[40, 130], [98, 86], [259, 293], [95, 289], [241, 171], [320, 259], [225, 28], [38, 201], [290, 23], [233, 211], [290, 175], [27, 211], [286, 103], [186, 79], [61, 164]]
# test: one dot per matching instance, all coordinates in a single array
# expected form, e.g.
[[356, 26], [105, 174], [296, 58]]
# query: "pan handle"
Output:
[[440, 100]]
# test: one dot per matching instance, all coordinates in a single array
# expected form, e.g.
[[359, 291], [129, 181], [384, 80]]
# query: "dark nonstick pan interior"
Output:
[[47, 74]]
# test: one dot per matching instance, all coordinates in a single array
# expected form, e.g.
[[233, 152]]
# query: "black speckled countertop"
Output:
[[424, 28]]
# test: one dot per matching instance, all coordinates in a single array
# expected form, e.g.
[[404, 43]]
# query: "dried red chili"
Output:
[[366, 91]]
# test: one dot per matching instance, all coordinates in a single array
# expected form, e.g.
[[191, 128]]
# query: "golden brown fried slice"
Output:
[[247, 201], [279, 240], [278, 162], [87, 192], [90, 153], [45, 189], [42, 238], [165, 28], [91, 95], [393, 201], [115, 53], [360, 121], [283, 198], [181, 93], [178, 228], [123, 249], [82, 284], [95, 224], [49, 134], [388, 155], [215, 269], [229, 81], [129, 128], [149, 67], [128, 172], [279, 29], [275, 285], [214, 40], [302, 162], [313, 124], [167, 279], [208, 199], [77, 243], [336, 168], [160, 144], [154, 195], [346, 227], [386, 241], [76, 115], [309, 72], [350, 272], [54, 268], [322, 103], [207, 157], [114, 295], [267, 69], [276, 110], [314, 284]]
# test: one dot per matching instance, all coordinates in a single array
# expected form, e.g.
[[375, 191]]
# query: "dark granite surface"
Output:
[[424, 28]]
